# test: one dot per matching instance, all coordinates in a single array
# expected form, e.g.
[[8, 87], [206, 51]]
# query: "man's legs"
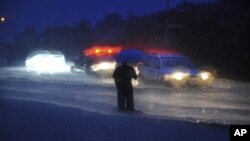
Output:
[[120, 100], [130, 100]]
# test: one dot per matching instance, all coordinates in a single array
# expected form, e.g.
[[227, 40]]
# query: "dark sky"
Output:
[[44, 13]]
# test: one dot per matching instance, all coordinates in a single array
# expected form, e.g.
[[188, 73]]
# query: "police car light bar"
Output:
[[102, 50]]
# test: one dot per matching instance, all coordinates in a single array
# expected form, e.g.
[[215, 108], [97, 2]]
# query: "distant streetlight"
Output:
[[2, 19]]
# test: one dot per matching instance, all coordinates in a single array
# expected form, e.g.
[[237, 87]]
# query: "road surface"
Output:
[[227, 102]]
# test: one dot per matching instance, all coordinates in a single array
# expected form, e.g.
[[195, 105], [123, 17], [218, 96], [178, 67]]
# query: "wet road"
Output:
[[227, 102]]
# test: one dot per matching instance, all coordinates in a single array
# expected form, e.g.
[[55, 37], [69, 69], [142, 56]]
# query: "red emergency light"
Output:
[[102, 50]]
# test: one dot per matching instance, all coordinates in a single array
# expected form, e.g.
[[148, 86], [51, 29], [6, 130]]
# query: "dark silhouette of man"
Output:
[[123, 75]]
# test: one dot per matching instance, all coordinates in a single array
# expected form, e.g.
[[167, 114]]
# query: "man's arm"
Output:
[[134, 75], [115, 73]]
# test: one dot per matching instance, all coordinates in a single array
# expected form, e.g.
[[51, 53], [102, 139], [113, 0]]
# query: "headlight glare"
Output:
[[179, 76], [103, 66], [205, 75]]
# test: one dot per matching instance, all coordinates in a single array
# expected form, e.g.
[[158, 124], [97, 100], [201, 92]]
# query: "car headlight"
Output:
[[103, 66], [205, 78], [179, 76], [205, 75]]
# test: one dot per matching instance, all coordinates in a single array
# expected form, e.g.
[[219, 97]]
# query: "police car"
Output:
[[175, 70], [98, 59]]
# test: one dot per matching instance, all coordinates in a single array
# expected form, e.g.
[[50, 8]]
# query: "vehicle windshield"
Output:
[[176, 61]]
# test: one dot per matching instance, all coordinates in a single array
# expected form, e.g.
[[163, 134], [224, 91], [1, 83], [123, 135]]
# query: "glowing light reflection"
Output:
[[45, 62]]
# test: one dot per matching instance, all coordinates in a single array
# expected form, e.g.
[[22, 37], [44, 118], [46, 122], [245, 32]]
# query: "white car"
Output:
[[46, 62], [175, 70]]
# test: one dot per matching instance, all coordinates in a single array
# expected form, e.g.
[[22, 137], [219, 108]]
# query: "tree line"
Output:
[[214, 33]]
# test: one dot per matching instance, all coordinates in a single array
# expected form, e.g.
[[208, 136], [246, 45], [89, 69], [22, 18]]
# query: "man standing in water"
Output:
[[123, 75]]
